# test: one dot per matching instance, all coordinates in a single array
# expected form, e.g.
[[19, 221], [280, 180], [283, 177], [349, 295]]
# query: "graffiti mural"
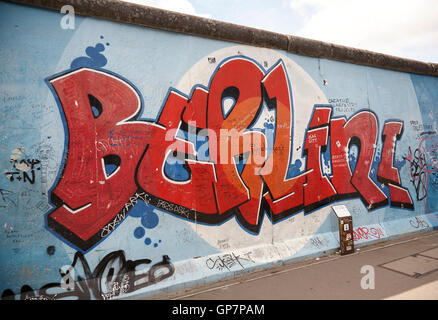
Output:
[[229, 172], [122, 146]]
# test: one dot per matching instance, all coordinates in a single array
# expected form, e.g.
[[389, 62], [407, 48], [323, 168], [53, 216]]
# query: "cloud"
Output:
[[398, 27], [182, 6]]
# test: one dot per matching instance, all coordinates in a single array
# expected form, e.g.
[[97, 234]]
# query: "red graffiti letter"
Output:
[[194, 195], [318, 190], [285, 195], [88, 195], [360, 130], [341, 171], [386, 173], [236, 80]]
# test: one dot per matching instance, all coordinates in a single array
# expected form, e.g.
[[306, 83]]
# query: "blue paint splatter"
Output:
[[139, 232], [150, 220], [138, 210], [94, 60]]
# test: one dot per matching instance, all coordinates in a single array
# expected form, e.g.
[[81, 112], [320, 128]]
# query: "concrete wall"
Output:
[[137, 161]]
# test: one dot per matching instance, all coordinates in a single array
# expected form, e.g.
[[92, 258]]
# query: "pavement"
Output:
[[399, 269]]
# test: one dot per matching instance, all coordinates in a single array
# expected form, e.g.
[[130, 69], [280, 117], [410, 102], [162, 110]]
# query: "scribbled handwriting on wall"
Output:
[[423, 164], [212, 185], [228, 261], [23, 170], [112, 277]]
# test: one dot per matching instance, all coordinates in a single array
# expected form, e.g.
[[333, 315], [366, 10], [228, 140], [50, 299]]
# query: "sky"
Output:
[[403, 28]]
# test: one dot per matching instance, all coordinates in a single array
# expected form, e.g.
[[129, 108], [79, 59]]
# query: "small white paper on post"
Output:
[[341, 211]]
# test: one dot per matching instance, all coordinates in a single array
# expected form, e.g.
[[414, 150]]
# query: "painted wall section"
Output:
[[136, 161]]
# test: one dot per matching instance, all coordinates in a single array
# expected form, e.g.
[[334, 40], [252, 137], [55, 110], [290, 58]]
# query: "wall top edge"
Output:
[[145, 16]]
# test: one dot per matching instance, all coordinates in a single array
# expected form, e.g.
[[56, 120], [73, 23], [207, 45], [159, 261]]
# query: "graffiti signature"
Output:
[[365, 233], [227, 261], [418, 223], [424, 168], [112, 277]]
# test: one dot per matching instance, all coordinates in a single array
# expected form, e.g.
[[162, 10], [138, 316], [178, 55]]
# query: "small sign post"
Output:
[[345, 222]]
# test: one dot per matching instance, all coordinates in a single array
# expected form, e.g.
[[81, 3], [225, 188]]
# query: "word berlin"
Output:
[[101, 172]]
